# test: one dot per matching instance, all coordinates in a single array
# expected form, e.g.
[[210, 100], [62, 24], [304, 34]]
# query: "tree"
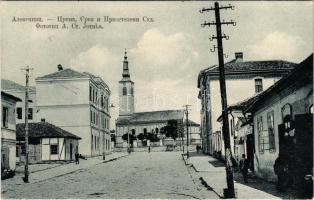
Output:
[[171, 129]]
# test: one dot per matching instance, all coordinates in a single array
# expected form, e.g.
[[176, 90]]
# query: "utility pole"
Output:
[[229, 172], [27, 69], [187, 129]]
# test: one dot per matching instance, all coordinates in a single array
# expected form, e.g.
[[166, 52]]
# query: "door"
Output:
[[250, 150], [71, 151]]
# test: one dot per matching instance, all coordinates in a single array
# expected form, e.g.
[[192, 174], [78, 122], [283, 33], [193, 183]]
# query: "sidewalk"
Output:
[[213, 174], [55, 170]]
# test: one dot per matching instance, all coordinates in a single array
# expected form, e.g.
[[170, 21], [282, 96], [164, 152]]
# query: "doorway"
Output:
[[71, 151]]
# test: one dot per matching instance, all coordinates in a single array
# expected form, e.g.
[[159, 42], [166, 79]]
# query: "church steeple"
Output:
[[126, 90], [125, 72]]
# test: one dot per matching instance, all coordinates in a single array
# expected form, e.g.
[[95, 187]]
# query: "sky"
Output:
[[165, 56]]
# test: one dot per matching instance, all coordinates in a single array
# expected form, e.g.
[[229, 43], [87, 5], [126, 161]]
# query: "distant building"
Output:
[[145, 123], [283, 124], [18, 90], [78, 103], [243, 80], [46, 142], [136, 123], [8, 134], [194, 132], [241, 132]]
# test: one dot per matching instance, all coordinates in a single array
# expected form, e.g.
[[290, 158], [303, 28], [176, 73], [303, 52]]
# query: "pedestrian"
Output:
[[281, 169], [148, 149], [244, 167], [77, 161]]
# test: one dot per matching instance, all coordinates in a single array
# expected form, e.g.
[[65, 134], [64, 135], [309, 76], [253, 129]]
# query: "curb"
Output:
[[210, 188]]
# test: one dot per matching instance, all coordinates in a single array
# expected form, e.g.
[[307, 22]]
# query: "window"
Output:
[[258, 85], [124, 91], [19, 113], [53, 149], [30, 113], [271, 131], [92, 142], [145, 131], [90, 93], [5, 116], [286, 112], [102, 101], [156, 130], [132, 91], [260, 134], [91, 116]]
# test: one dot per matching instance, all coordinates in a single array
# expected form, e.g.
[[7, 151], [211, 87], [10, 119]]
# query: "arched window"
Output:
[[124, 91], [156, 130], [286, 112], [145, 130]]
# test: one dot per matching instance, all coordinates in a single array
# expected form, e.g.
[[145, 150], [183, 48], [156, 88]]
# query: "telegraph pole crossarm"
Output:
[[228, 155]]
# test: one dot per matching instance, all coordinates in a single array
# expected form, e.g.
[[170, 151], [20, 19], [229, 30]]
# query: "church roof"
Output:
[[151, 117]]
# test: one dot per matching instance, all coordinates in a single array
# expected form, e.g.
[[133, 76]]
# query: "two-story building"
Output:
[[8, 134], [77, 102], [18, 90], [243, 80]]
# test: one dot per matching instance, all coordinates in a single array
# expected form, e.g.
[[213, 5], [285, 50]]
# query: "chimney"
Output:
[[43, 120], [60, 68], [239, 56]]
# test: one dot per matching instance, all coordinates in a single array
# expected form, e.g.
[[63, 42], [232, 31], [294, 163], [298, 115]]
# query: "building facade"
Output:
[[46, 142], [18, 90], [79, 103], [8, 133], [243, 80], [283, 124]]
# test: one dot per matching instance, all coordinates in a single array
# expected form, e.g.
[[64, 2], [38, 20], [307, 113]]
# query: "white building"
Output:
[[8, 133], [18, 90], [79, 103], [194, 132], [243, 80]]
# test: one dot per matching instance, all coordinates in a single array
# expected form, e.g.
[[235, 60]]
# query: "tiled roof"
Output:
[[248, 67], [10, 96], [43, 130], [151, 117], [234, 66], [64, 74], [191, 123], [7, 85], [302, 73]]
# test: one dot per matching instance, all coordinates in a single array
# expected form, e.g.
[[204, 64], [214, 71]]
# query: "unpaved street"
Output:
[[140, 175]]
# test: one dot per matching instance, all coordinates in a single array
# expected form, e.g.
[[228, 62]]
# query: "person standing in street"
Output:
[[148, 149], [244, 167], [77, 161]]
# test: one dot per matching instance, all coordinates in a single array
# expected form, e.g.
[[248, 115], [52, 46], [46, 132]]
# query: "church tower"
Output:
[[126, 90]]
